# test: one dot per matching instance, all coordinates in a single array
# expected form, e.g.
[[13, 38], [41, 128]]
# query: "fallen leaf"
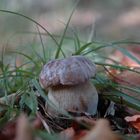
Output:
[[101, 131], [130, 79], [8, 131], [134, 121], [132, 118], [80, 128], [80, 134], [125, 60], [71, 134]]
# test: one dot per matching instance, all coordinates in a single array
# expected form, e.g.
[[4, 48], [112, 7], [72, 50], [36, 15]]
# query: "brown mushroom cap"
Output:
[[68, 71]]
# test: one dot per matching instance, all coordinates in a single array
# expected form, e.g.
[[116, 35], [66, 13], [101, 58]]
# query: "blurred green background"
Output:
[[100, 20]]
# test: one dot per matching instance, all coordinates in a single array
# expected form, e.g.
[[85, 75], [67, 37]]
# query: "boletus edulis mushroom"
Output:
[[68, 84]]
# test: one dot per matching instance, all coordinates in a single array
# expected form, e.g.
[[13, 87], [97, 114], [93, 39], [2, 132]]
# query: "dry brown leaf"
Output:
[[76, 132], [8, 131], [125, 60], [126, 77], [80, 134], [131, 79], [101, 131], [71, 134], [134, 121], [19, 129]]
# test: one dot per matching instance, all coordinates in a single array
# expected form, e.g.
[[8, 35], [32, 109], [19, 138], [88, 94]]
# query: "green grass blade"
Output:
[[133, 89], [112, 44], [26, 56], [83, 48], [128, 100], [76, 42], [43, 47], [106, 45], [64, 33], [37, 55], [128, 54], [32, 20], [116, 66], [4, 72]]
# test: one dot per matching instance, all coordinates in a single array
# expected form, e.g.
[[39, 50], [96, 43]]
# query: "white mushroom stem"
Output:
[[82, 97]]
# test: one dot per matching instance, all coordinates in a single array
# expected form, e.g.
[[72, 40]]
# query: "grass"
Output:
[[23, 80]]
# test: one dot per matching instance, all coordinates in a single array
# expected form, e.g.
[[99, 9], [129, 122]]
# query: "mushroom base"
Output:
[[82, 98]]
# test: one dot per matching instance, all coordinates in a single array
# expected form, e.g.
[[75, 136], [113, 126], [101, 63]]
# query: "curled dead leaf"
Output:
[[134, 121]]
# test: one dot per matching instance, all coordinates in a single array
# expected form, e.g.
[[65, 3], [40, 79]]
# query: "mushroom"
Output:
[[68, 84]]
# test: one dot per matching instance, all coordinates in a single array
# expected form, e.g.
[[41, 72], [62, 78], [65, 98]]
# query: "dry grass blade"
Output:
[[10, 98], [44, 123]]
